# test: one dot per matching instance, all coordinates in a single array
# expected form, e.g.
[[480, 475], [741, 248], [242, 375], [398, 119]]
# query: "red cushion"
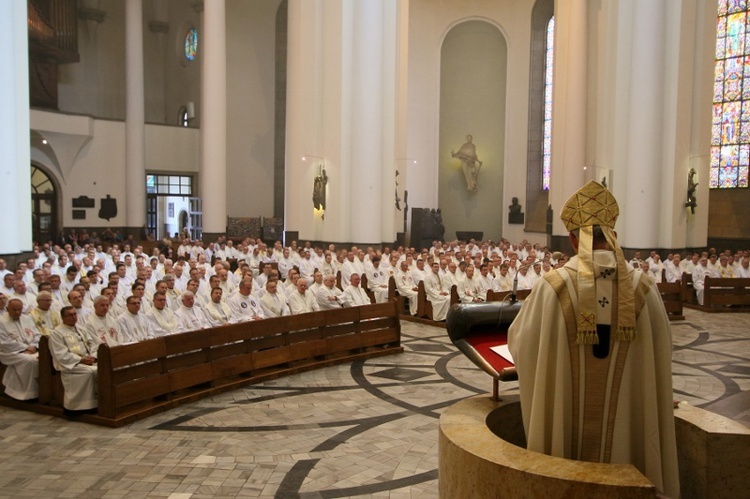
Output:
[[482, 341]]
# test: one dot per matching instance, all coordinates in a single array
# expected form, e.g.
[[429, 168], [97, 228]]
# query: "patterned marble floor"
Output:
[[368, 429]]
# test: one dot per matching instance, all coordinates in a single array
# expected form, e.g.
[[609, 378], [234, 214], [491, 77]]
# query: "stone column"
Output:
[[569, 105], [645, 161], [213, 172], [135, 135], [15, 156], [341, 106]]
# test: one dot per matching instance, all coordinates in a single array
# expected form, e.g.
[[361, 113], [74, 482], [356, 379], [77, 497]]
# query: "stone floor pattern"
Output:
[[367, 429]]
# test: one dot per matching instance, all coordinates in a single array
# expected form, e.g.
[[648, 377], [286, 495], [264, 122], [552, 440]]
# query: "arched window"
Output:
[[539, 142], [549, 62], [191, 44], [730, 127]]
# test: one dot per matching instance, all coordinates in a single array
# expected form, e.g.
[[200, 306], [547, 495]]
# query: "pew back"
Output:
[[139, 379]]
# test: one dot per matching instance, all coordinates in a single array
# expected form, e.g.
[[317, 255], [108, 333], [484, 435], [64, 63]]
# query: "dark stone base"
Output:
[[210, 237], [466, 235], [515, 218]]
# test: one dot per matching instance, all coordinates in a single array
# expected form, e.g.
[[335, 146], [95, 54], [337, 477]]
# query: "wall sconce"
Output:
[[692, 201]]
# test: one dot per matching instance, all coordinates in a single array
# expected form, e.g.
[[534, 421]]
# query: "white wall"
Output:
[[87, 157], [251, 42], [182, 79], [96, 85], [429, 22], [473, 83]]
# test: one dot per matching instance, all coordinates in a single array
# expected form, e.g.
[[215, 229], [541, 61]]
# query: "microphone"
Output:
[[514, 292]]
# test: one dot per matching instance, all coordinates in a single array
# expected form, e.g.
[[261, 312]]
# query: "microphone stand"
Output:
[[514, 292]]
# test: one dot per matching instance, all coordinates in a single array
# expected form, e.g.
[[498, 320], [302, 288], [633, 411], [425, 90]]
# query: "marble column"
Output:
[[645, 133], [341, 112], [15, 156], [569, 105], [213, 168], [135, 134]]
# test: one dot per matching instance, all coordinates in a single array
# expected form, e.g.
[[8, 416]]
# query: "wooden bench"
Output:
[[363, 285], [688, 291], [141, 379], [726, 294], [671, 295], [424, 307], [394, 296]]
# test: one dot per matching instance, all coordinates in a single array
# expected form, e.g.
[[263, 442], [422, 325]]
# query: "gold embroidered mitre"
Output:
[[593, 205]]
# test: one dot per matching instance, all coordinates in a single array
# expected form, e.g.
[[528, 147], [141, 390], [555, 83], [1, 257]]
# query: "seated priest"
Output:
[[74, 355], [19, 340]]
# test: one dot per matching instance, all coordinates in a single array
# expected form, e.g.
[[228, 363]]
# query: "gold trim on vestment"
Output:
[[558, 284], [594, 446]]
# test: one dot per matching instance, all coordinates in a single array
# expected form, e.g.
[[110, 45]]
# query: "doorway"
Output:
[[43, 206]]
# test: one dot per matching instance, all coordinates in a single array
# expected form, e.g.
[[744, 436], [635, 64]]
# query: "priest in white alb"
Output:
[[19, 341], [101, 325], [134, 326], [74, 355]]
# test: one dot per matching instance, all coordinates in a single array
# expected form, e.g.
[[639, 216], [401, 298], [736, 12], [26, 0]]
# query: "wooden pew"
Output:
[[454, 295], [363, 285], [50, 380], [140, 379], [726, 294], [671, 295], [394, 296], [424, 307], [521, 294], [687, 289], [148, 377]]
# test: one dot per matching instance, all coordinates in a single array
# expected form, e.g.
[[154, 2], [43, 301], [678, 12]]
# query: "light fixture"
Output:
[[44, 141]]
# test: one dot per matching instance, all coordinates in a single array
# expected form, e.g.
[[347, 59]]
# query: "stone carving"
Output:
[[470, 163], [107, 207], [319, 190], [692, 202], [514, 212]]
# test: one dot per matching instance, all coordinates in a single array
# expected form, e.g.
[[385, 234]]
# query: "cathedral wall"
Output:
[[472, 102], [648, 117], [430, 21], [96, 85], [86, 157], [728, 209], [251, 42], [177, 81]]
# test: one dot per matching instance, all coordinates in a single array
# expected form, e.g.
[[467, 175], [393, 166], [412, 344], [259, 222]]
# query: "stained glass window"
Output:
[[191, 44], [547, 136], [730, 125]]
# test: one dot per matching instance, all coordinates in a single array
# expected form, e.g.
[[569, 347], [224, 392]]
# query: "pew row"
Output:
[[725, 294], [424, 307], [141, 379], [671, 295]]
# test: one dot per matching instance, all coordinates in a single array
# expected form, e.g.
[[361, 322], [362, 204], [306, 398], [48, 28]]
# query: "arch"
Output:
[[473, 100], [45, 204]]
